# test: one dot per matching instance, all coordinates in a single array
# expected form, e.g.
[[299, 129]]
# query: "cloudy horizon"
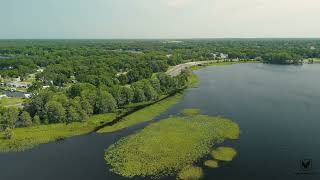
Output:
[[134, 19]]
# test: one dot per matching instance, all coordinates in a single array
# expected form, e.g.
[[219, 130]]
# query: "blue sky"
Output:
[[158, 18]]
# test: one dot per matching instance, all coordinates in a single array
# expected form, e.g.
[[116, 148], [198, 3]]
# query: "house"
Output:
[[224, 56], [3, 96], [40, 70], [214, 55], [27, 96]]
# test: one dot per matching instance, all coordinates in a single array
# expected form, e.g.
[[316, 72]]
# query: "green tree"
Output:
[[86, 106], [149, 91], [138, 95], [155, 83], [115, 91], [89, 95], [126, 94], [26, 118], [36, 120], [105, 102], [8, 133], [75, 111], [10, 116], [55, 112]]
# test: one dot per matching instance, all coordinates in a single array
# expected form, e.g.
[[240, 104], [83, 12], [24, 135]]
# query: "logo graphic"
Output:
[[306, 165]]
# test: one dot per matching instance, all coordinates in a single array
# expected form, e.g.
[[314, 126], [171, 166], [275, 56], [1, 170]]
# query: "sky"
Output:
[[136, 19]]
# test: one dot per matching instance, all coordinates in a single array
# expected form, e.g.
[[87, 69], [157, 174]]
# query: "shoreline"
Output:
[[110, 121]]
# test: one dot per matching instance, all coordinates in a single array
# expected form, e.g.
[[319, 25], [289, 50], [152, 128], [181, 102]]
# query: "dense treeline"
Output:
[[89, 77], [81, 100], [92, 61]]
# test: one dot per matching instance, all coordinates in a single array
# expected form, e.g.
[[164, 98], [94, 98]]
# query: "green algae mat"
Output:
[[170, 147]]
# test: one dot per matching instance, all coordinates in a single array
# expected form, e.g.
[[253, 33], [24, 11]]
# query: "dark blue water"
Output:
[[277, 107]]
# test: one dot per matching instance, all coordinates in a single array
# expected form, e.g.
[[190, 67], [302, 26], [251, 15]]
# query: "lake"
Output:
[[276, 106]]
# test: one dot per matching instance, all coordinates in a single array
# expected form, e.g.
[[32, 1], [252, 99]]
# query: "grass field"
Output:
[[143, 115], [28, 137], [169, 146], [11, 102]]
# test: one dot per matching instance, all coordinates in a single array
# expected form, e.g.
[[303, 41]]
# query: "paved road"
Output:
[[176, 70]]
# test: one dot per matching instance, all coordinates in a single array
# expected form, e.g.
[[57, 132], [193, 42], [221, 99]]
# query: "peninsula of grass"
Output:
[[224, 153], [167, 147], [143, 115], [28, 137]]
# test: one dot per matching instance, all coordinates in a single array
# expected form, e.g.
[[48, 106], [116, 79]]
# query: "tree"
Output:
[[8, 133], [155, 83], [149, 91], [38, 102], [86, 106], [115, 91], [90, 96], [75, 111], [105, 102], [77, 89], [26, 118], [123, 79], [10, 116], [61, 98], [55, 112], [126, 94], [138, 95], [36, 120], [167, 83]]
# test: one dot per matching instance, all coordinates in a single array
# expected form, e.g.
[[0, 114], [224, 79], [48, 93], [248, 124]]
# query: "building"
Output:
[[224, 56], [27, 96], [3, 96]]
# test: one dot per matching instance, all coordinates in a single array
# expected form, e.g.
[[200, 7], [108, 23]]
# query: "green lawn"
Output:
[[143, 115], [11, 102], [28, 137]]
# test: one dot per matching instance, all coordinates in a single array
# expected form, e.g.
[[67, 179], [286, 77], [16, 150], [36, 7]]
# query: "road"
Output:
[[176, 70]]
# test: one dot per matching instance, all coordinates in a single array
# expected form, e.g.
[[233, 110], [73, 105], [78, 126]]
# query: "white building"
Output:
[[3, 96], [27, 95], [224, 56]]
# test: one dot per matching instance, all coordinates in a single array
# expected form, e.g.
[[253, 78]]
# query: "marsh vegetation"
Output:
[[167, 147], [224, 153]]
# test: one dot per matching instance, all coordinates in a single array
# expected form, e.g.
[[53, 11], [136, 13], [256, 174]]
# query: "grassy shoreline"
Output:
[[143, 115], [29, 137]]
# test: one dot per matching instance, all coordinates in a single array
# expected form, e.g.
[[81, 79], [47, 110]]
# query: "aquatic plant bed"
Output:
[[167, 147], [28, 137]]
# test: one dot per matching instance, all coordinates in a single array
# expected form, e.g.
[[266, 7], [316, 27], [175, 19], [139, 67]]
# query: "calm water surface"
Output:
[[277, 107]]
